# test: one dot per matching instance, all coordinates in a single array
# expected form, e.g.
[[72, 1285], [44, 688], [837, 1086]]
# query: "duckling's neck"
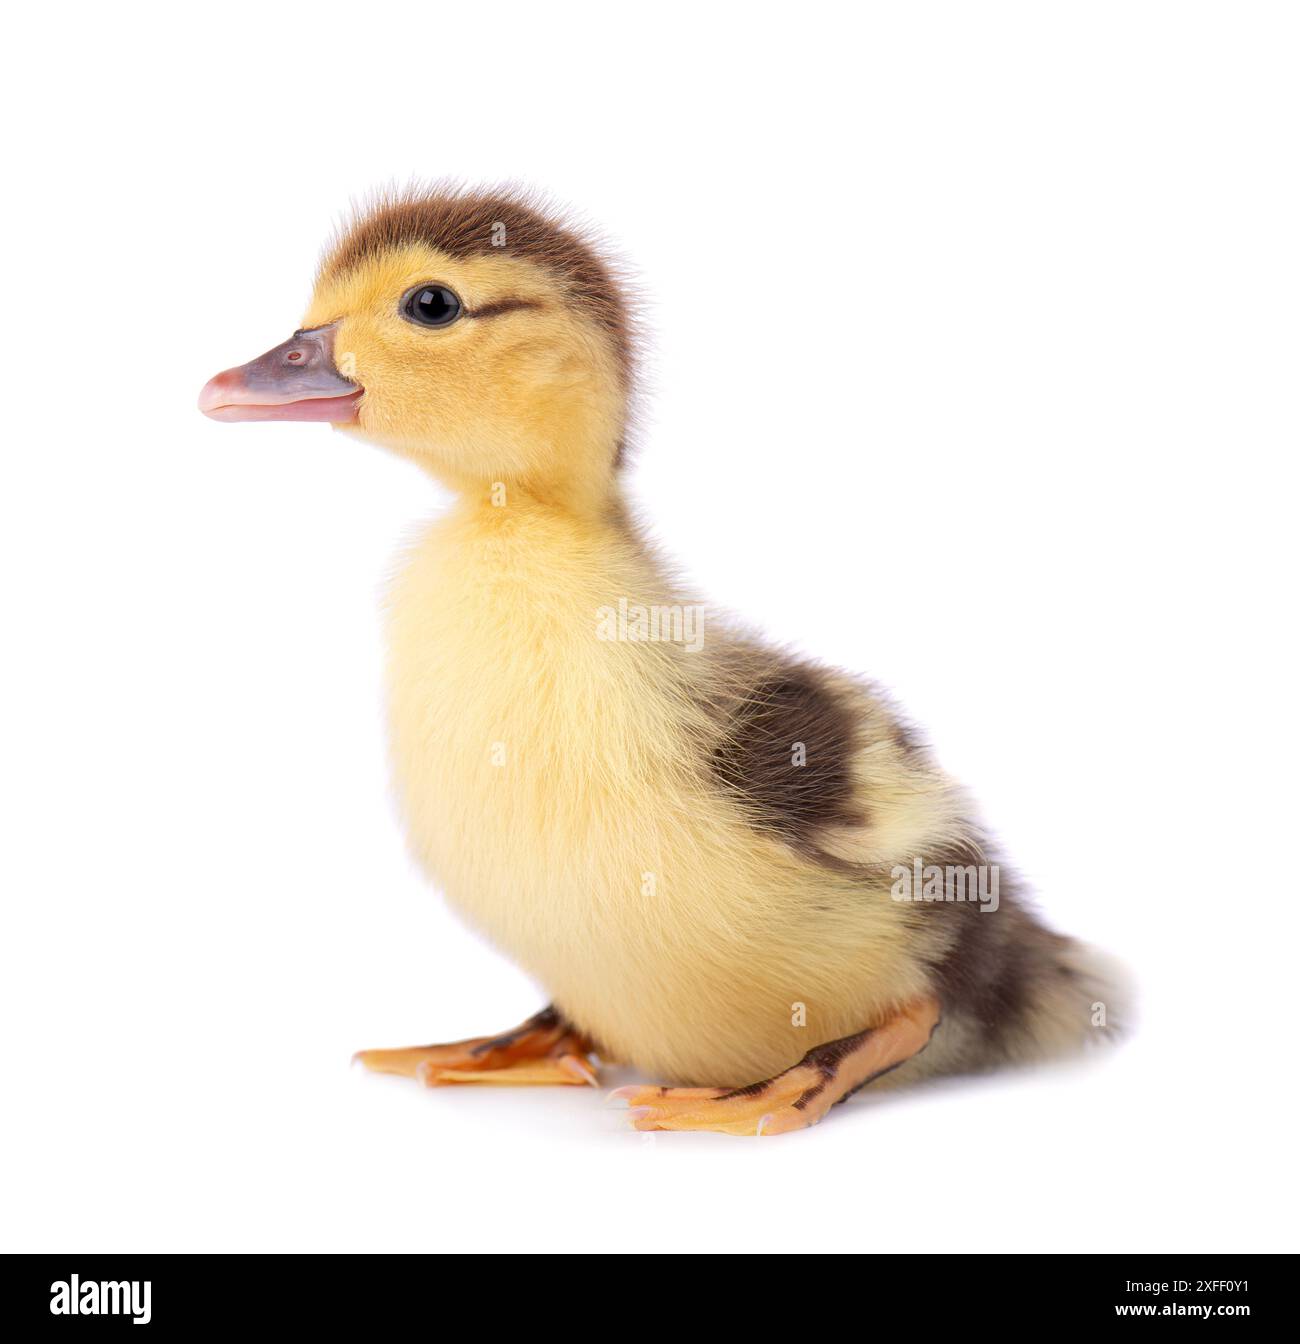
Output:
[[507, 504], [502, 603]]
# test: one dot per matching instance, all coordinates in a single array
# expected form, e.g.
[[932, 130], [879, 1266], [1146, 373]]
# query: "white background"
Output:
[[973, 337]]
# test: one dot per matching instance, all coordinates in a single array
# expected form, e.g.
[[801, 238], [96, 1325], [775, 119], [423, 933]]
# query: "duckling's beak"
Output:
[[295, 381]]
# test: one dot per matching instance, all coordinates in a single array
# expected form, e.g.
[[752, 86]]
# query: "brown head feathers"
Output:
[[464, 222]]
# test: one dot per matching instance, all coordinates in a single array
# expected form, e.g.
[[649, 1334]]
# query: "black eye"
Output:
[[431, 306]]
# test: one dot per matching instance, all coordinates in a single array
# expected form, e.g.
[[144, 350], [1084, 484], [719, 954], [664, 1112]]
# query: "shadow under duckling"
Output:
[[710, 853]]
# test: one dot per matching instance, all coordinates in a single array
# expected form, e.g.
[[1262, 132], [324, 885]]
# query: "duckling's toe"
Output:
[[776, 1110], [567, 1070]]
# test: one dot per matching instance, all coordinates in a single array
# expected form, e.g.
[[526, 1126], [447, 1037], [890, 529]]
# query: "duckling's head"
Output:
[[470, 331]]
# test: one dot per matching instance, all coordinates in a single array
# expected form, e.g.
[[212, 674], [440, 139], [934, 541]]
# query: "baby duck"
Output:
[[732, 870]]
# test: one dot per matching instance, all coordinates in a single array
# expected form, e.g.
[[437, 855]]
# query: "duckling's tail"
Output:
[[1083, 997], [1040, 996]]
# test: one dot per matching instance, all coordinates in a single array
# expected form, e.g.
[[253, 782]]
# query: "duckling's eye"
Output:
[[430, 306]]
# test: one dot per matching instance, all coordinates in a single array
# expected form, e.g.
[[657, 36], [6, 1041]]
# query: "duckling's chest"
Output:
[[540, 764]]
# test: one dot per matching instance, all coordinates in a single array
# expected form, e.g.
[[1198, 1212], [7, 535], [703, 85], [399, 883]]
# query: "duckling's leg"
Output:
[[802, 1094], [545, 1049]]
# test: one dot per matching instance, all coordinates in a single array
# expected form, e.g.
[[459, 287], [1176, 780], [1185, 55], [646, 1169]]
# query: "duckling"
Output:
[[738, 872]]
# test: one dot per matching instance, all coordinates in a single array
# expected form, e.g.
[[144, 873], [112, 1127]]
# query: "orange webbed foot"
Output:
[[544, 1050], [797, 1098]]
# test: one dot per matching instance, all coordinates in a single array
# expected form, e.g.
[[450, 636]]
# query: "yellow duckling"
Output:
[[732, 870]]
